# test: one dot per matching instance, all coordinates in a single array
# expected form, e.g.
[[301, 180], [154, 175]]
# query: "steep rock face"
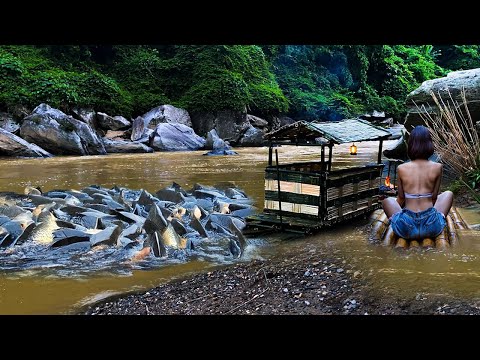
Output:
[[454, 82], [175, 137], [60, 134], [229, 125], [12, 145], [166, 114]]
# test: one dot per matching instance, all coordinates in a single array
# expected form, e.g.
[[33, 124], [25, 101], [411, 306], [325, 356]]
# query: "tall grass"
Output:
[[454, 135]]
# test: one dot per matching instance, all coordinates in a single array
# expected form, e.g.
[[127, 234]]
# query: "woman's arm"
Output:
[[436, 187], [401, 194]]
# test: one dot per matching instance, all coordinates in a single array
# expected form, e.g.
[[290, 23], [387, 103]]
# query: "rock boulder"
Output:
[[121, 146], [166, 114], [229, 125], [12, 145], [217, 145], [175, 137], [252, 137], [60, 134], [454, 82]]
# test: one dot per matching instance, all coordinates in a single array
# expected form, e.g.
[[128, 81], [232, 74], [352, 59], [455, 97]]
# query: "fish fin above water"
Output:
[[159, 250]]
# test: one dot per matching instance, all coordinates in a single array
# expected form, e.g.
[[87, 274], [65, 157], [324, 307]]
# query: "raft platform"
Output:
[[305, 197], [382, 233]]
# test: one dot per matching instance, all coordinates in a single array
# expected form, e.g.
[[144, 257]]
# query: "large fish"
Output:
[[154, 241], [65, 237], [157, 226], [242, 242], [11, 211], [107, 236], [46, 225]]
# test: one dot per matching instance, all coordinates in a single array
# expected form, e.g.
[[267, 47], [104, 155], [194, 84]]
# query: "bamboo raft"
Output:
[[381, 232]]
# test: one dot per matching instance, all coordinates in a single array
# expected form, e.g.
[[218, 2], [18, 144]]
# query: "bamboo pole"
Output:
[[375, 215], [441, 241], [427, 242], [414, 244], [390, 238], [457, 219], [379, 226], [452, 233], [279, 191], [401, 244]]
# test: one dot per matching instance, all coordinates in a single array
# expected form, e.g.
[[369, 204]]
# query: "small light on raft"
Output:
[[353, 149], [387, 181]]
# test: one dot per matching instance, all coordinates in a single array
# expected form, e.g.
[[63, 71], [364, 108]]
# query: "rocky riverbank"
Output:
[[313, 281], [307, 283], [47, 131]]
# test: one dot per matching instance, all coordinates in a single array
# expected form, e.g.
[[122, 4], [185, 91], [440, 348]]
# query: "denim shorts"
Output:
[[418, 225]]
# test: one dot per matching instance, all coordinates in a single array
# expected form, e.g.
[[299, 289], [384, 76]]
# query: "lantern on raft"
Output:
[[353, 149]]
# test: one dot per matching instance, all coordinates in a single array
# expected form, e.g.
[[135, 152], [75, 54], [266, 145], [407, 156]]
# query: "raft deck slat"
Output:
[[294, 223], [267, 220]]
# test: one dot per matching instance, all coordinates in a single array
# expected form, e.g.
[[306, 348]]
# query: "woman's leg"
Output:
[[444, 202], [391, 206]]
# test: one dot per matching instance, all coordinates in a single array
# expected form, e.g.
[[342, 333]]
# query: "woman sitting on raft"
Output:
[[424, 211]]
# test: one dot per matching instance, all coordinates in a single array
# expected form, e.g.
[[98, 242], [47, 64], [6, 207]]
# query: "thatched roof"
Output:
[[339, 132]]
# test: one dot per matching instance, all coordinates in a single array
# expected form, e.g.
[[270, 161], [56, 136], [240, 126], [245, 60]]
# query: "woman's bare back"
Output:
[[419, 177]]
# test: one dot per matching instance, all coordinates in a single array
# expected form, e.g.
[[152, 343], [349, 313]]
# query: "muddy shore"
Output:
[[313, 281]]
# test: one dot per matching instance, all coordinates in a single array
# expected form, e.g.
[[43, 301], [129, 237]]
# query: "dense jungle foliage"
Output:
[[301, 81]]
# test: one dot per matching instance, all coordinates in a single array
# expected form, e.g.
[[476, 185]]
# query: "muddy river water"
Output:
[[44, 289]]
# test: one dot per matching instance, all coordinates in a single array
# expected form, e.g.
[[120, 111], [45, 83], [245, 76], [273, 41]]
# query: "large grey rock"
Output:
[[60, 134], [166, 114], [217, 145], [214, 142], [454, 82], [12, 145], [8, 123], [252, 137], [88, 116], [230, 125], [119, 146], [138, 128], [257, 122], [145, 139], [108, 122], [175, 137]]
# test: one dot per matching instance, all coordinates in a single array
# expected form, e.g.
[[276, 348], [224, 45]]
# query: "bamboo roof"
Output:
[[339, 132]]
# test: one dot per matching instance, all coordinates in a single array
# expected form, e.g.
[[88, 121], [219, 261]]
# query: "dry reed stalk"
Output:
[[453, 133]]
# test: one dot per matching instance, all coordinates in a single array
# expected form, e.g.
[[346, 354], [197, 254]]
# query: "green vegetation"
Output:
[[455, 186], [302, 81]]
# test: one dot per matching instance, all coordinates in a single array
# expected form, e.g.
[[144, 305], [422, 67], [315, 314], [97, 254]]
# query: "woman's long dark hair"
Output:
[[420, 144]]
